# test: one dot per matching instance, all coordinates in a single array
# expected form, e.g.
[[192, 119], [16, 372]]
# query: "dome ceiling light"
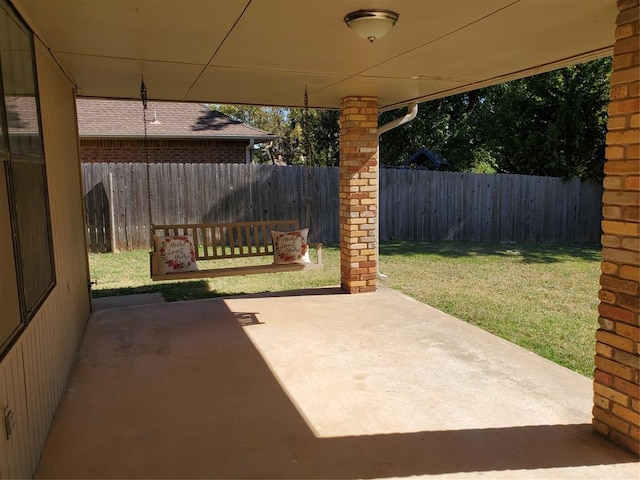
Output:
[[371, 24]]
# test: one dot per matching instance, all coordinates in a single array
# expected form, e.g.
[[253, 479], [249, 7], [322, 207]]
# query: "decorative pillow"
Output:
[[177, 253], [290, 247]]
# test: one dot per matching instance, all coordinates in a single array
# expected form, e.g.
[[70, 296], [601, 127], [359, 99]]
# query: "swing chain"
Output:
[[306, 127], [143, 97], [309, 161]]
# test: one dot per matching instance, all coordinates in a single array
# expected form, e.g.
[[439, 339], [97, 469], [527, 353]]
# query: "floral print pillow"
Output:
[[290, 247], [178, 253]]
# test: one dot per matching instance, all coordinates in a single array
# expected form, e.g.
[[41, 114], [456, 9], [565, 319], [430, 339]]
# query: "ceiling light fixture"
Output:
[[371, 24]]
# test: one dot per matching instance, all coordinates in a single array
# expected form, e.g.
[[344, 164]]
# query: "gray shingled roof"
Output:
[[22, 115], [123, 118]]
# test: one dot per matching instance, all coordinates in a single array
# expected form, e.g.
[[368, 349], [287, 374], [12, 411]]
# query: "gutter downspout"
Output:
[[412, 111], [248, 151]]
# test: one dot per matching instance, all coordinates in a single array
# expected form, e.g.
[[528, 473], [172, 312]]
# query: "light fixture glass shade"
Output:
[[371, 24]]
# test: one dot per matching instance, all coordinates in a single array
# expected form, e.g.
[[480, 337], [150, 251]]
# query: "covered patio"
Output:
[[317, 384], [325, 384]]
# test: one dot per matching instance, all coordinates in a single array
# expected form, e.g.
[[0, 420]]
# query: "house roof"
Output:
[[428, 158], [123, 118], [22, 117], [265, 52]]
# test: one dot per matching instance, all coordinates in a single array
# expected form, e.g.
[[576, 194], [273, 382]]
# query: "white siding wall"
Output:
[[34, 372]]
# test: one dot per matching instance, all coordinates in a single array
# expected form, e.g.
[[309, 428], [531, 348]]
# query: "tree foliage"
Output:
[[552, 124], [270, 119], [307, 137], [445, 125]]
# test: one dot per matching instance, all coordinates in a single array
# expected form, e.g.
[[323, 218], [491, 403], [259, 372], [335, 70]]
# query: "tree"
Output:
[[324, 136], [270, 119], [552, 124], [296, 129], [446, 125]]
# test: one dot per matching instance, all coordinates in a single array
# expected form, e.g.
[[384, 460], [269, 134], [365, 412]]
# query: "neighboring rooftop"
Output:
[[123, 118], [425, 158], [22, 117]]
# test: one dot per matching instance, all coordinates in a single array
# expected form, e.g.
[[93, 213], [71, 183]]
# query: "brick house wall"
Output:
[[163, 151], [616, 411]]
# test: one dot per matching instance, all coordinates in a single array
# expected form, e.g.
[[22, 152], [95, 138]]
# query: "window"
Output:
[[27, 269]]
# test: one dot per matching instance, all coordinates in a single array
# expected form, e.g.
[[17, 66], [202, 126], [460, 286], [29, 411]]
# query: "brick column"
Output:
[[616, 411], [358, 197]]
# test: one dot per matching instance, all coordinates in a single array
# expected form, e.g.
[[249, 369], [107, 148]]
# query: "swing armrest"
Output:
[[318, 247], [154, 262]]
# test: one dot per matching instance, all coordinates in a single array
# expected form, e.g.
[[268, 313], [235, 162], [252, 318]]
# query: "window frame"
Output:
[[9, 161]]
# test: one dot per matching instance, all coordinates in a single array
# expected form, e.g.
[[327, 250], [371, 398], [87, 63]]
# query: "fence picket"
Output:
[[414, 204]]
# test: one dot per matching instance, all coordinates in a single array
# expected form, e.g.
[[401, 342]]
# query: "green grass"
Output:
[[542, 297]]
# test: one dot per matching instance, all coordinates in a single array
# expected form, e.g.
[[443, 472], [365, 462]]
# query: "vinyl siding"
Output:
[[34, 372]]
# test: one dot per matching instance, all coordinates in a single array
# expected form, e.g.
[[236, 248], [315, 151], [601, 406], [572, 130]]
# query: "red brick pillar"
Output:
[[616, 411], [358, 198]]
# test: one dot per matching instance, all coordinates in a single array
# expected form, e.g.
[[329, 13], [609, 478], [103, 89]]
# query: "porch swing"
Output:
[[177, 248]]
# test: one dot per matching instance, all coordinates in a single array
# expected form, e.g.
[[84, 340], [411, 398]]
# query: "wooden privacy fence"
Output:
[[117, 200], [414, 204], [488, 208]]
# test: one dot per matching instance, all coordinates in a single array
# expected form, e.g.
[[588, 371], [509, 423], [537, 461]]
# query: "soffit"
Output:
[[266, 51]]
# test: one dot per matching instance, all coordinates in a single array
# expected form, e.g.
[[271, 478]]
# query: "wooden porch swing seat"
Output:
[[220, 241], [224, 241]]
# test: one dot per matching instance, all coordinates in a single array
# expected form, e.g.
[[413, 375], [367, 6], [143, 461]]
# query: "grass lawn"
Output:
[[542, 297]]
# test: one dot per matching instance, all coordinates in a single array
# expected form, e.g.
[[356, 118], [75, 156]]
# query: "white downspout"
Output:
[[412, 111], [248, 151]]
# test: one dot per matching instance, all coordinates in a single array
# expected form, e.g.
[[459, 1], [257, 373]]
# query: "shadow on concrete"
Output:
[[181, 391], [189, 290], [170, 291], [303, 292]]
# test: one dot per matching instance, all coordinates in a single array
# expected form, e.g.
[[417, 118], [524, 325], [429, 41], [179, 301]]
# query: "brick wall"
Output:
[[163, 151], [616, 411], [358, 193]]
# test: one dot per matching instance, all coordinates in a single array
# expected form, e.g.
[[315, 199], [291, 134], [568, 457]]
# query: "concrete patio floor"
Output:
[[318, 384]]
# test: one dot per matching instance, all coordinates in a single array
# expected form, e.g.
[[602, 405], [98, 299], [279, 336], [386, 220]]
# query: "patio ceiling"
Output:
[[266, 51]]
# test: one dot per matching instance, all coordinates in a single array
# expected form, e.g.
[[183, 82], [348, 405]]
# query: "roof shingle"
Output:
[[123, 118]]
